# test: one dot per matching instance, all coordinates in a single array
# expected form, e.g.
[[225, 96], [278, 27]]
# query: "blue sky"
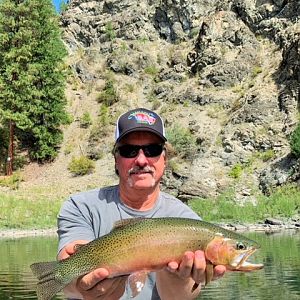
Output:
[[57, 3]]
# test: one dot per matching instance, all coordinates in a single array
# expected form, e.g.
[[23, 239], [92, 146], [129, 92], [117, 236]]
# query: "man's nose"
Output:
[[141, 159]]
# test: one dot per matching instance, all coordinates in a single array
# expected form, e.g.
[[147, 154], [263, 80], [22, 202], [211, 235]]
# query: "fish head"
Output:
[[232, 253]]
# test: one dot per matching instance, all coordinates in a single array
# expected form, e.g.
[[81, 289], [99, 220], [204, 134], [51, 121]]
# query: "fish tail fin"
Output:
[[47, 285]]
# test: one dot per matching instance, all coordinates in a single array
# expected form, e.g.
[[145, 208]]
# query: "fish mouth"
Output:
[[240, 262]]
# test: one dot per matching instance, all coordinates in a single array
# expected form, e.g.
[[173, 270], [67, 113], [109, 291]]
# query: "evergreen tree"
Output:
[[32, 76]]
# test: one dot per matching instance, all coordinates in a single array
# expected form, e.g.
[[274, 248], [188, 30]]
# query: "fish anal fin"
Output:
[[136, 282]]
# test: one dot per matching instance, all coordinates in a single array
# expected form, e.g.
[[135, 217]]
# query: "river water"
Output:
[[279, 280]]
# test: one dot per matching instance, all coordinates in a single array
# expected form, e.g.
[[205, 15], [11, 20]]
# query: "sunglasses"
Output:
[[131, 151]]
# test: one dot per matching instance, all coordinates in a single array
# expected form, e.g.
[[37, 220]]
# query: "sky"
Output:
[[57, 3]]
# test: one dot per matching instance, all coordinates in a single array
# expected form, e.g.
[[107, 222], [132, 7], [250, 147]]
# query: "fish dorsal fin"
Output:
[[125, 222]]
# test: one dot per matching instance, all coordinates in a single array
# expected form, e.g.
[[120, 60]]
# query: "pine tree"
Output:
[[32, 76]]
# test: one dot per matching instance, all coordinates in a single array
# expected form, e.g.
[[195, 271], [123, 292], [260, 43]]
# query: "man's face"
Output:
[[140, 172]]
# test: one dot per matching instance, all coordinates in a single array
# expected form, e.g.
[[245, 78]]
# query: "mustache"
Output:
[[138, 169]]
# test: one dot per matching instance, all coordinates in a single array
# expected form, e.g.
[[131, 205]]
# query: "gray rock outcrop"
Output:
[[227, 71]]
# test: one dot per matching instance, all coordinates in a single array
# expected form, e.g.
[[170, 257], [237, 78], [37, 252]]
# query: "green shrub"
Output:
[[109, 31], [143, 39], [19, 161], [236, 171], [109, 95], [104, 115], [255, 71], [81, 166], [101, 125], [295, 141], [70, 119], [151, 70], [266, 155], [12, 181], [183, 141], [85, 120], [237, 89]]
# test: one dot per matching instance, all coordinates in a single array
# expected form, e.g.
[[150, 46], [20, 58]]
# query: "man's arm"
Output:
[[177, 280], [94, 285]]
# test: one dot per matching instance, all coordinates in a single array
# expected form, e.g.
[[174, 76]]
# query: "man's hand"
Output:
[[94, 285], [177, 281]]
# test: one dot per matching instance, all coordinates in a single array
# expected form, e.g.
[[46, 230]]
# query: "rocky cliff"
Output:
[[226, 72]]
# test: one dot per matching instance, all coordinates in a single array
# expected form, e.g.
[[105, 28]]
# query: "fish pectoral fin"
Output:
[[136, 282], [209, 272]]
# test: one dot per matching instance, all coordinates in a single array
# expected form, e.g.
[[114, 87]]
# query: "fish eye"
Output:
[[240, 246]]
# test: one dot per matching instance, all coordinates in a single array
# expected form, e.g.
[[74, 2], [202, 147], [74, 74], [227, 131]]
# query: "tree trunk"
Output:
[[10, 154]]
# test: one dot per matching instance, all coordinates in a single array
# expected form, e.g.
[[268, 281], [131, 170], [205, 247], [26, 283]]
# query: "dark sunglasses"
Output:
[[131, 151]]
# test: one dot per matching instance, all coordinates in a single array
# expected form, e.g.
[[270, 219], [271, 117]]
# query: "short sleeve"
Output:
[[74, 223]]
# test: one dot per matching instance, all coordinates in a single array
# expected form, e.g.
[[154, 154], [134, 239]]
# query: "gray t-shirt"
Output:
[[89, 215]]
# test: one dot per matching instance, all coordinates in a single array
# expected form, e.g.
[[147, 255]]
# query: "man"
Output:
[[140, 160]]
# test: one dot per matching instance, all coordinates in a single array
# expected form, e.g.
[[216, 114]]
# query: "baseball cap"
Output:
[[139, 119]]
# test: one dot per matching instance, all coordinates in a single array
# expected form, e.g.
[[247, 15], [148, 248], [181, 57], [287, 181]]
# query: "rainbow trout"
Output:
[[136, 245]]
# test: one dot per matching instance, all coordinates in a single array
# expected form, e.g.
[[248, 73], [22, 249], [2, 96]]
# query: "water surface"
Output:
[[16, 255], [280, 279]]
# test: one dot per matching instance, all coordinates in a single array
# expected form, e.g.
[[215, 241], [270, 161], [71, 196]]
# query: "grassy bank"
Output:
[[23, 213], [284, 203], [40, 210]]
